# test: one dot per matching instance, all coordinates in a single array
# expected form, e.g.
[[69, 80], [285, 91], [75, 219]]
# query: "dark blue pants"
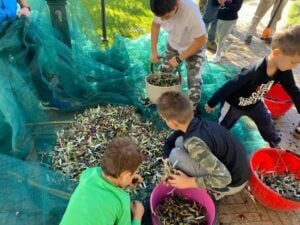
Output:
[[259, 114]]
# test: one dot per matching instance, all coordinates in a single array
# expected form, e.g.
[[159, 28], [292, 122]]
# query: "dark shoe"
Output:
[[145, 101], [268, 40], [212, 46], [248, 40], [55, 104]]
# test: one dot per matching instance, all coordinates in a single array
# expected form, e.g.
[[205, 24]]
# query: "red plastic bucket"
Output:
[[277, 101], [199, 195], [268, 159]]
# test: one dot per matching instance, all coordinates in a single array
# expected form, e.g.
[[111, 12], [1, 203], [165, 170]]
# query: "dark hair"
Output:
[[175, 105], [162, 7], [287, 40], [120, 155]]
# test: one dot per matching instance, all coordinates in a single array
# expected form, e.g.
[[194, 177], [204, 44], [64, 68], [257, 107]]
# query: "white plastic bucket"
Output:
[[154, 92]]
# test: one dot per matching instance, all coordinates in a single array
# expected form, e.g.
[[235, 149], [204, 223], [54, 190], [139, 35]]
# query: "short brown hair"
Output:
[[120, 155], [176, 106], [288, 40]]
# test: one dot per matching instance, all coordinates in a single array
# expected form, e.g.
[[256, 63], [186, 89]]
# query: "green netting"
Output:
[[35, 66]]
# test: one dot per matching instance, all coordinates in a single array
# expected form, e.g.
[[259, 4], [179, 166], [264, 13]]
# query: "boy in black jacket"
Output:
[[242, 95], [206, 154]]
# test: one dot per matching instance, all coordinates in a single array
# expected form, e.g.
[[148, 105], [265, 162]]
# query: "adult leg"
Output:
[[261, 10], [262, 7], [194, 76], [278, 13], [229, 115], [260, 115]]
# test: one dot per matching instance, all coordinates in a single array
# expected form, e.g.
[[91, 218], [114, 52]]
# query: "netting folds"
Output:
[[35, 66]]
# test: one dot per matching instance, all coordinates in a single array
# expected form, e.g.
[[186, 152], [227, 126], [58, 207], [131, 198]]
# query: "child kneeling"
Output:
[[99, 198], [205, 154]]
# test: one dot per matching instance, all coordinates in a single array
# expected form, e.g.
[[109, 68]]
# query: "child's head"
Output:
[[286, 47], [175, 108], [165, 9], [121, 159]]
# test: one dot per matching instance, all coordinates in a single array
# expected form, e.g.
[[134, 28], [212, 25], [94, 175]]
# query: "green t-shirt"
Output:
[[96, 201]]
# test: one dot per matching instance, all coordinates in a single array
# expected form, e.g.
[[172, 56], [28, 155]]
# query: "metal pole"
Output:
[[103, 17], [59, 19]]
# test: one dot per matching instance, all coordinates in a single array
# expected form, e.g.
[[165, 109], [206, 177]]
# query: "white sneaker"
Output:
[[215, 58]]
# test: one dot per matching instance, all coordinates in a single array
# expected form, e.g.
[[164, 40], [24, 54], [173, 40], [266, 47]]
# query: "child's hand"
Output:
[[155, 58], [173, 62], [25, 11], [208, 109], [137, 179], [221, 2], [137, 209], [180, 180]]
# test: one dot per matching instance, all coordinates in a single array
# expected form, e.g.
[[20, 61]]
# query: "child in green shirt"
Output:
[[99, 198]]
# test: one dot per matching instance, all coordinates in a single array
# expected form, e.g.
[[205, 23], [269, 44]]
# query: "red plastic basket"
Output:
[[277, 101], [267, 159]]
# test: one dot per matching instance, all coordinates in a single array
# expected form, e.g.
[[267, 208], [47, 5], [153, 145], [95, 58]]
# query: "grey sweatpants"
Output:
[[182, 161], [224, 28], [194, 72]]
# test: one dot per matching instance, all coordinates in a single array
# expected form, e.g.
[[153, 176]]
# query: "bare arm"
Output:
[[154, 39], [196, 45], [22, 3], [25, 9]]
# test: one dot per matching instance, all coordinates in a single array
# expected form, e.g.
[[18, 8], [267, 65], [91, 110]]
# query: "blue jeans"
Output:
[[210, 19]]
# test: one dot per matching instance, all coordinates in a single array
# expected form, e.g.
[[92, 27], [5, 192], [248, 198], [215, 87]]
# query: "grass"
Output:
[[294, 13], [130, 18]]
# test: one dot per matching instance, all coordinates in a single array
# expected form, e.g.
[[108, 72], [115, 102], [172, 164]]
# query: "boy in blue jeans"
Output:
[[243, 94], [99, 198], [205, 154]]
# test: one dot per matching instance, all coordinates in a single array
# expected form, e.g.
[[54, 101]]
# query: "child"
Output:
[[99, 197], [242, 95], [227, 17], [205, 153], [183, 21]]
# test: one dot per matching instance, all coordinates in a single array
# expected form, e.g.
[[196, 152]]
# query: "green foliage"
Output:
[[294, 13], [130, 18]]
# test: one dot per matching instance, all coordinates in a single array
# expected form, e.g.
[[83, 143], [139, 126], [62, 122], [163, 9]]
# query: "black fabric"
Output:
[[251, 80], [170, 142], [230, 10], [260, 116], [224, 146]]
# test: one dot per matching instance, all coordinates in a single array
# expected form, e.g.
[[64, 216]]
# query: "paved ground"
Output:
[[240, 209]]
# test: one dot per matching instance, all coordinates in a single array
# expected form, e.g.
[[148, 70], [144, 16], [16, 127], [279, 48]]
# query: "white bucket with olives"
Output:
[[159, 82]]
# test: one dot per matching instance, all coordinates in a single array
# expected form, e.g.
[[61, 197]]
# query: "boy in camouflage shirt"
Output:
[[205, 154], [183, 22]]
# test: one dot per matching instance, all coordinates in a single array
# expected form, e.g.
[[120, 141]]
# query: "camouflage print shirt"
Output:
[[218, 175], [218, 152]]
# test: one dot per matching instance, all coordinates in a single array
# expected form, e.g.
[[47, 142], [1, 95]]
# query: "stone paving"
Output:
[[240, 209]]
